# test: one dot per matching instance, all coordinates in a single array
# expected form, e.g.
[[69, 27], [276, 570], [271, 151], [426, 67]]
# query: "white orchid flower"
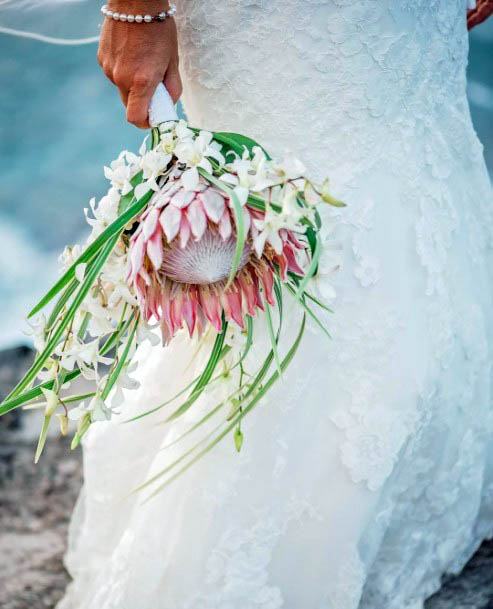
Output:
[[38, 332], [119, 174], [195, 153], [81, 354], [290, 169], [268, 232], [52, 401], [154, 163], [98, 409], [75, 414]]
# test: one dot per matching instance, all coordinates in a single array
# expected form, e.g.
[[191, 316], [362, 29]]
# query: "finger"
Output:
[[172, 82], [139, 99], [123, 94]]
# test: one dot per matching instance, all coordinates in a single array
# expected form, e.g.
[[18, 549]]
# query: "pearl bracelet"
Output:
[[138, 18]]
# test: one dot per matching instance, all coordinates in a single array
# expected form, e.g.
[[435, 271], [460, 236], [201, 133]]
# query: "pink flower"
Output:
[[180, 260]]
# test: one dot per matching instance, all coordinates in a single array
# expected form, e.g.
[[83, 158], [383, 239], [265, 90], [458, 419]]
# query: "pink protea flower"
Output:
[[180, 259]]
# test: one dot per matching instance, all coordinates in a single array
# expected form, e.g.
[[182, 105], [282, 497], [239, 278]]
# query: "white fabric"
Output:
[[162, 109], [367, 473]]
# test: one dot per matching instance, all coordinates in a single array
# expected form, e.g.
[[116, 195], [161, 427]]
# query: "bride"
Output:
[[388, 483]]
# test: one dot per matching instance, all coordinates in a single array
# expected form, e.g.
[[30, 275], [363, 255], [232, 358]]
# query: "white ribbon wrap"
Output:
[[162, 109]]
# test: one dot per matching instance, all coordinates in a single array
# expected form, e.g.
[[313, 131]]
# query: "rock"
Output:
[[35, 503]]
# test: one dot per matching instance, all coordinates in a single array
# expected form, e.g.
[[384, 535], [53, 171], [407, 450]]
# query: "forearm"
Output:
[[483, 10], [137, 56]]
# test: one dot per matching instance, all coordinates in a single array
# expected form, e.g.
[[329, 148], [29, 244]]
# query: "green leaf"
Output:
[[311, 269], [34, 393], [248, 344], [58, 331], [310, 312], [273, 340], [121, 363], [206, 375], [127, 199], [81, 432], [42, 437], [237, 142], [253, 403]]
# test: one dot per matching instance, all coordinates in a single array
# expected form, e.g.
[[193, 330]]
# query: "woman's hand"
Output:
[[483, 10], [136, 57]]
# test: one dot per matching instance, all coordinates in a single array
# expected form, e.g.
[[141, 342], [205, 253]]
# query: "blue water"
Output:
[[61, 121]]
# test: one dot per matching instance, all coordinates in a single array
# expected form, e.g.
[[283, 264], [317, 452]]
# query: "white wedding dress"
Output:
[[367, 473]]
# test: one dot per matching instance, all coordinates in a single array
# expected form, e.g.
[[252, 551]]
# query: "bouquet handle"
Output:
[[161, 109]]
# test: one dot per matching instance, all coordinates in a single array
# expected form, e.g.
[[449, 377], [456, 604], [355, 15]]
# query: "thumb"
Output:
[[139, 99]]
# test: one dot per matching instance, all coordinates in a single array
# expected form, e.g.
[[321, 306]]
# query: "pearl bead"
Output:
[[162, 16]]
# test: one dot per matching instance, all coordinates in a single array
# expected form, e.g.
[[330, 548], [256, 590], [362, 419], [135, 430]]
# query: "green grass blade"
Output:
[[272, 336], [58, 331], [310, 312], [206, 375], [247, 409], [121, 363], [311, 269], [42, 438], [248, 344], [34, 393]]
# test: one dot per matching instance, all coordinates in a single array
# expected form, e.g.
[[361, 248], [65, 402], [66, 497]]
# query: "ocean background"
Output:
[[61, 121]]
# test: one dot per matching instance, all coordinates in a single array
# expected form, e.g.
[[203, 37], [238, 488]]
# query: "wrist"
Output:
[[138, 6]]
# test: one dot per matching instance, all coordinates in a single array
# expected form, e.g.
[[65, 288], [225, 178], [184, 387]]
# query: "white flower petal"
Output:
[[242, 194], [80, 271], [190, 178]]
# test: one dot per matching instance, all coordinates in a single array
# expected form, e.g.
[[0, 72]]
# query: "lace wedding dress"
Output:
[[367, 473]]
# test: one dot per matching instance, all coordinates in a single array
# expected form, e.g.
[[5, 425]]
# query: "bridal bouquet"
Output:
[[201, 232]]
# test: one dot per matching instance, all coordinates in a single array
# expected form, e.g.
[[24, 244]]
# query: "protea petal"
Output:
[[232, 306], [137, 256], [293, 239], [189, 312], [225, 228], [176, 308], [185, 231], [248, 289], [292, 262], [170, 220], [211, 307], [166, 321], [213, 203], [283, 266], [155, 249], [182, 198], [256, 289], [150, 223], [197, 218], [267, 279]]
